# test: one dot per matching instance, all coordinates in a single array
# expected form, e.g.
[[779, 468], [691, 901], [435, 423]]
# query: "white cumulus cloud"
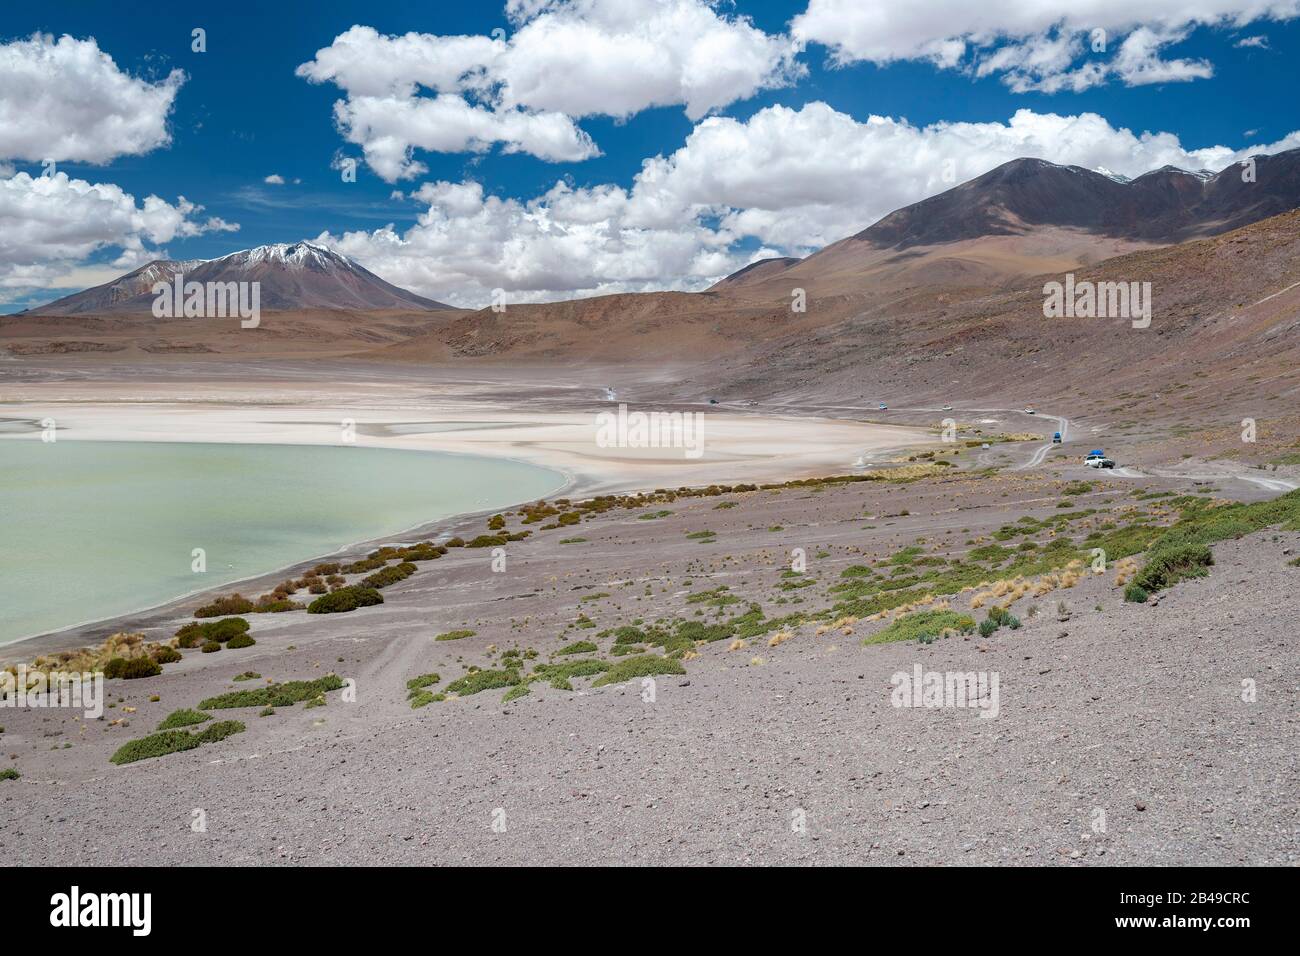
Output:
[[51, 224], [567, 59], [786, 181], [1046, 45], [67, 100]]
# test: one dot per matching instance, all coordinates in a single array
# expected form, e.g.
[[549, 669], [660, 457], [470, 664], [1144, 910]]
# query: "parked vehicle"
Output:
[[1056, 438], [1030, 411], [884, 407]]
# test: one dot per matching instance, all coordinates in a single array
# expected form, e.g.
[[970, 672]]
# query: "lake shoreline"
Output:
[[555, 433], [96, 630]]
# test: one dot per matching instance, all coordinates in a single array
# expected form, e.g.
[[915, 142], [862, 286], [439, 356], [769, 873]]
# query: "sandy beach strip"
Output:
[[735, 447]]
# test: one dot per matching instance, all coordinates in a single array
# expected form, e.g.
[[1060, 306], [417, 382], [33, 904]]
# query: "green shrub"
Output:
[[644, 665], [922, 626], [455, 635], [9, 773], [389, 575], [584, 667], [477, 681], [240, 640], [166, 655], [577, 647], [220, 731], [267, 604], [424, 680], [1169, 565], [360, 567], [519, 690], [247, 675], [1136, 594], [195, 633], [486, 541], [155, 745], [210, 647], [184, 717], [229, 604], [345, 599], [131, 668], [274, 695], [420, 698], [987, 627]]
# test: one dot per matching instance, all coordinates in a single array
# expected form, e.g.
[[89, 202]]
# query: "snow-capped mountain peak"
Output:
[[292, 255], [1111, 174]]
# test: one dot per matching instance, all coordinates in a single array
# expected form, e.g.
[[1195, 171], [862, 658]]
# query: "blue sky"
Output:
[[242, 114]]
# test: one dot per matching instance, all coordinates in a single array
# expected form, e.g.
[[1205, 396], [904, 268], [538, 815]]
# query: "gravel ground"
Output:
[[780, 755]]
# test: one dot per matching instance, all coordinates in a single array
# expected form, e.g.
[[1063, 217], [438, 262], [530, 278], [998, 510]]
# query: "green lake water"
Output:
[[90, 529]]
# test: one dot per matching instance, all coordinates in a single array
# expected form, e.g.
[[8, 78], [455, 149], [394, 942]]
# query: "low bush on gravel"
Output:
[[1183, 550], [270, 604], [173, 741], [477, 681], [9, 773], [360, 567], [559, 674], [131, 668], [345, 599], [166, 655], [644, 665], [1170, 564], [228, 604], [247, 675], [922, 626], [274, 695], [424, 680], [987, 627], [577, 647], [455, 635], [389, 575], [240, 640], [185, 717], [1136, 594], [195, 633], [424, 551], [417, 692], [519, 690]]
